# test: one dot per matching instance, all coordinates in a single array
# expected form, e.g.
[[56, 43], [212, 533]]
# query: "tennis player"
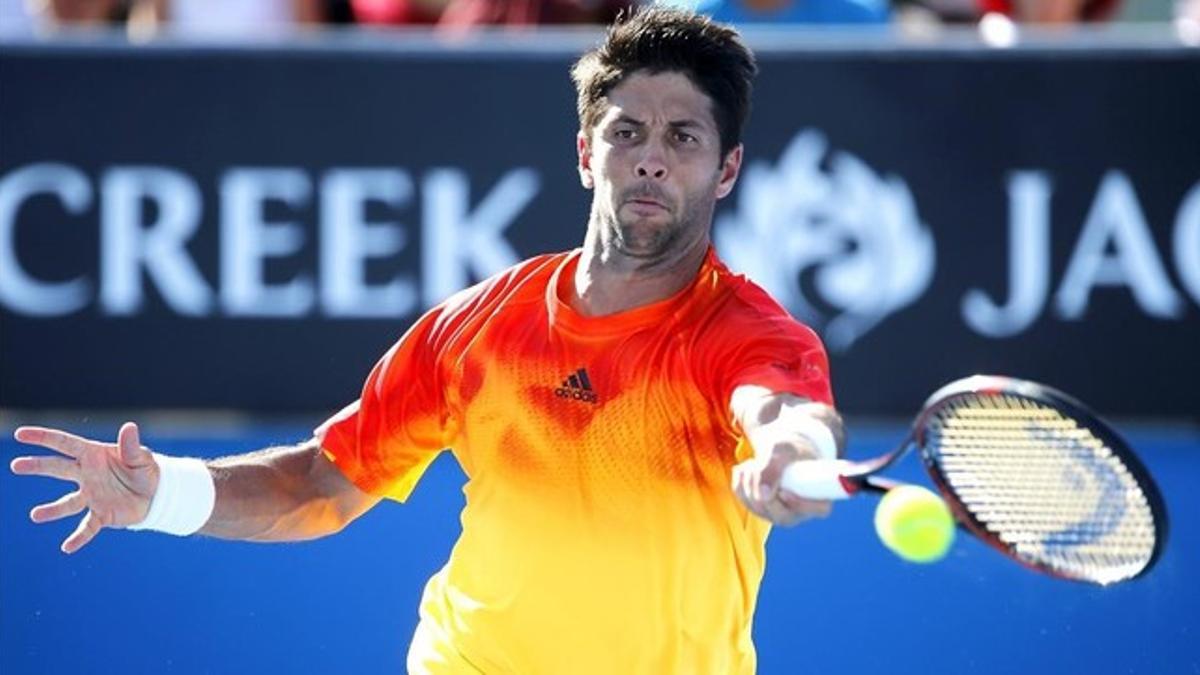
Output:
[[601, 402]]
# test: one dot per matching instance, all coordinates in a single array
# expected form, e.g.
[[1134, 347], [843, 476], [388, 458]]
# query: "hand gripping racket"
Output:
[[1027, 469]]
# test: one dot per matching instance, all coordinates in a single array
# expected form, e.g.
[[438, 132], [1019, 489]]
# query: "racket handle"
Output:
[[819, 478]]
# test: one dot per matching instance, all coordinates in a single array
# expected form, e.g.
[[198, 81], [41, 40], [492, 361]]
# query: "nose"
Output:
[[652, 162]]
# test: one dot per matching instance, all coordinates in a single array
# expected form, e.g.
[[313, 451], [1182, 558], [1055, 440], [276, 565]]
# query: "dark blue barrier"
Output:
[[833, 600], [251, 228]]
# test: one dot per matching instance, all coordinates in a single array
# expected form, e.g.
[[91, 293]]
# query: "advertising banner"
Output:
[[251, 229]]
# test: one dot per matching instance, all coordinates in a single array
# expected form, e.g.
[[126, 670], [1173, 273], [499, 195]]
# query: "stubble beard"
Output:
[[647, 243], [652, 244]]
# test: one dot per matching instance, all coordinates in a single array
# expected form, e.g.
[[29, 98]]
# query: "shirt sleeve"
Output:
[[781, 355], [754, 341], [386, 439]]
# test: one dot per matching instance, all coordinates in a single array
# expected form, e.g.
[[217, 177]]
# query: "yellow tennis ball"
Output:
[[915, 524]]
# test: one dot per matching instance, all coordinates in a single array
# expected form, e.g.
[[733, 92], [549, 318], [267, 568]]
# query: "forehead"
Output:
[[663, 97]]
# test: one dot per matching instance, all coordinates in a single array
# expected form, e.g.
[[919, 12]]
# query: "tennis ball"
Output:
[[915, 524]]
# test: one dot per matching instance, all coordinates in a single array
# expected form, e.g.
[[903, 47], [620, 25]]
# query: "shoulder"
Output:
[[749, 338], [524, 281], [743, 311]]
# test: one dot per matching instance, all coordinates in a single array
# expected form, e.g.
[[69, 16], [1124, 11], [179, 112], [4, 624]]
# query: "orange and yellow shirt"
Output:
[[600, 533]]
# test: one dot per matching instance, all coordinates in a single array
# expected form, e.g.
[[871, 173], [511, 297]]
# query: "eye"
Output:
[[624, 133], [686, 138]]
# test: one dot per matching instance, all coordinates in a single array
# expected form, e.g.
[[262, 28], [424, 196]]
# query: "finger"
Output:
[[782, 515], [756, 507], [760, 511], [743, 485], [739, 485], [51, 467], [130, 446], [783, 456], [67, 505], [754, 485], [768, 486], [778, 513], [801, 505], [767, 482], [88, 528], [60, 441]]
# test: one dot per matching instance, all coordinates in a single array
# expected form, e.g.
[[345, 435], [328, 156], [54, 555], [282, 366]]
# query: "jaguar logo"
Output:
[[841, 246]]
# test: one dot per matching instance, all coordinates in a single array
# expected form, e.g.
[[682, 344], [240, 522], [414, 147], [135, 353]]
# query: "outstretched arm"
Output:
[[283, 494], [279, 494]]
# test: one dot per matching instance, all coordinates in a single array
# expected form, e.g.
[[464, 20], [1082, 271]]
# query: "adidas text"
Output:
[[577, 394]]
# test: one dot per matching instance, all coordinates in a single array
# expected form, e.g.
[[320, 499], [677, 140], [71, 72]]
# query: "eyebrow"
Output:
[[674, 124]]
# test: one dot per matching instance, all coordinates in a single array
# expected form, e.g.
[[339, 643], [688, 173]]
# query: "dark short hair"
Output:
[[659, 39]]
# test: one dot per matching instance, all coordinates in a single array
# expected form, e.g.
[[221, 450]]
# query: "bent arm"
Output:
[[282, 494], [781, 428], [776, 422]]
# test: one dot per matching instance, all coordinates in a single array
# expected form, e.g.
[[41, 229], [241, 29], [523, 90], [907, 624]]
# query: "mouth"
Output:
[[646, 204], [646, 209]]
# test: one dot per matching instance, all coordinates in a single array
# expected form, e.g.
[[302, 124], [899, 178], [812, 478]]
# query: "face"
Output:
[[654, 163]]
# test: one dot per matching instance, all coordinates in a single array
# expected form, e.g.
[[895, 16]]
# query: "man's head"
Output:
[[656, 40], [661, 108]]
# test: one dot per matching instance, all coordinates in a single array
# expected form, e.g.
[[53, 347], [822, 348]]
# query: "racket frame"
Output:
[[1045, 395]]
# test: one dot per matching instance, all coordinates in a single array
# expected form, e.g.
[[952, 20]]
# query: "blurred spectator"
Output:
[[205, 17], [1187, 10], [398, 12], [1046, 12], [741, 12], [466, 13], [1051, 11], [459, 15], [50, 14], [1187, 21], [937, 11], [230, 18], [16, 18]]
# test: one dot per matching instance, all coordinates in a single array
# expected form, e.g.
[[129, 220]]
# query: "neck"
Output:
[[608, 281]]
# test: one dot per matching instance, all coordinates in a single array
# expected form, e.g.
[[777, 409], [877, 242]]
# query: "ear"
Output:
[[584, 150], [730, 167]]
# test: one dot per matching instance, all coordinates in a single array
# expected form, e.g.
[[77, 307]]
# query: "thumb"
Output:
[[130, 446], [772, 473]]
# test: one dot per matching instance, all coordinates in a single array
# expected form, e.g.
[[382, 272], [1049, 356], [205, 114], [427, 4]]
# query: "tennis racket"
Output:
[[1027, 469]]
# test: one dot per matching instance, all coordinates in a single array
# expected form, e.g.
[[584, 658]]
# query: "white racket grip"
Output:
[[816, 478]]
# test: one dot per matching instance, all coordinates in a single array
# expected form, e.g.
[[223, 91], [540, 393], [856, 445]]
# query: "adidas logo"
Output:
[[577, 386]]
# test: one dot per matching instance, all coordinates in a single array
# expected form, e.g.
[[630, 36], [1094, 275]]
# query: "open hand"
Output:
[[116, 481]]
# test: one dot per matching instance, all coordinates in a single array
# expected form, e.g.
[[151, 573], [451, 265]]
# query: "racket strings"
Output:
[[1045, 487]]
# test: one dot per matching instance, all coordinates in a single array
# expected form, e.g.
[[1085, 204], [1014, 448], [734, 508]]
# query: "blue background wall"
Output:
[[1099, 140], [834, 600]]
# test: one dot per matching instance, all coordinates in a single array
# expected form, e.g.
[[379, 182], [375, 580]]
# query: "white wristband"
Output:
[[794, 423], [817, 432], [184, 499]]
